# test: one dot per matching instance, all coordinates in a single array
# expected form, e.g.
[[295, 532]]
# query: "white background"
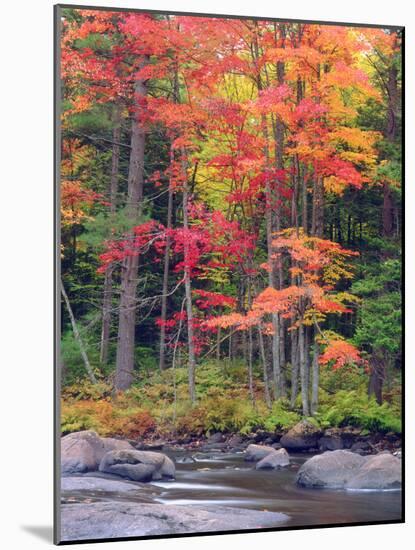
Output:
[[26, 271]]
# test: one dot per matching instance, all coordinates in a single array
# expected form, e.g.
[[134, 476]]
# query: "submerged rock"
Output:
[[138, 465], [121, 519], [257, 452], [274, 460]]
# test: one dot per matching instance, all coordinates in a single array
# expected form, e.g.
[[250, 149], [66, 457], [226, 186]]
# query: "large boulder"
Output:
[[97, 484], [112, 444], [83, 451], [138, 465], [382, 471], [98, 520], [332, 469], [254, 452], [302, 437], [274, 460]]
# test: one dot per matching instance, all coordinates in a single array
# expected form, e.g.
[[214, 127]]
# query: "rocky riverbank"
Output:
[[304, 437]]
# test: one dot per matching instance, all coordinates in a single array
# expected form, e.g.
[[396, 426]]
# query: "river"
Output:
[[225, 479]]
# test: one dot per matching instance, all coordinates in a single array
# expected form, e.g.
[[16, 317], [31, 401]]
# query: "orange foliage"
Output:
[[340, 353]]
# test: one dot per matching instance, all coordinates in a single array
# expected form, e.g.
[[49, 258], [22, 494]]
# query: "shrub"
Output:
[[281, 417], [85, 390], [355, 408], [106, 418]]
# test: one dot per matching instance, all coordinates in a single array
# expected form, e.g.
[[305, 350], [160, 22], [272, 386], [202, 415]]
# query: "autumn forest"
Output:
[[230, 194]]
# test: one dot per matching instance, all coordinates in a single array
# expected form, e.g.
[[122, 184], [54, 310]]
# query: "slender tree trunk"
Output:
[[162, 356], [315, 384], [307, 345], [129, 268], [113, 191], [250, 350], [305, 202], [377, 376], [218, 342], [387, 211], [303, 373], [294, 368], [106, 316], [188, 294], [276, 365], [278, 277], [269, 222], [267, 394], [77, 336], [317, 225], [390, 134]]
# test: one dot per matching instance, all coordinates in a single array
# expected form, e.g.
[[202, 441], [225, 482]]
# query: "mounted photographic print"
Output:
[[228, 274]]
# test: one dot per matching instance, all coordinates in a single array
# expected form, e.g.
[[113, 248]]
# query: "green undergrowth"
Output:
[[159, 406]]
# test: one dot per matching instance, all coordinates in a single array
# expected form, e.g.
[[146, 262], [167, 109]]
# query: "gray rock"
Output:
[[382, 471], [87, 483], [81, 452], [257, 452], [217, 437], [302, 437], [121, 519], [168, 469], [274, 460], [137, 465], [150, 446], [112, 444], [330, 443], [214, 447], [332, 469], [235, 441], [361, 447]]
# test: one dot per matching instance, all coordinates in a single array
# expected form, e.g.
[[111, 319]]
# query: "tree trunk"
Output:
[[77, 336], [250, 350], [106, 316], [129, 268], [315, 384], [188, 294], [218, 342], [113, 191], [294, 368], [276, 365], [376, 377], [317, 224], [267, 394], [303, 373], [392, 93], [387, 211], [162, 357]]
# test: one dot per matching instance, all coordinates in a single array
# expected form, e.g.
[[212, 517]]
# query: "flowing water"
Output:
[[225, 479]]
